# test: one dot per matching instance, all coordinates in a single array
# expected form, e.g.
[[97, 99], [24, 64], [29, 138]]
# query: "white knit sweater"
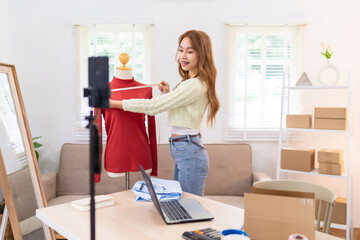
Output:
[[186, 105]]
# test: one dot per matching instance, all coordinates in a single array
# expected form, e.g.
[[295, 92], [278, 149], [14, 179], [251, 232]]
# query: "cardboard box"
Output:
[[273, 216], [329, 156], [332, 124], [331, 168], [298, 121], [298, 159], [339, 211], [330, 113]]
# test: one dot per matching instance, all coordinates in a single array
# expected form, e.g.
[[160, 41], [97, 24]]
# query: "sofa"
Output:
[[230, 174]]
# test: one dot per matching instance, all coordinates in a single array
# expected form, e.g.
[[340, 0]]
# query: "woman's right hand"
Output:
[[164, 87]]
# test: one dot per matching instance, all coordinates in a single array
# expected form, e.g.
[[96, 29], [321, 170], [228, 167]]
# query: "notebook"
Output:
[[177, 211], [100, 202]]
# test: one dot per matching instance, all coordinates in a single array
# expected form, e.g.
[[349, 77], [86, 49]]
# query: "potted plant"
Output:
[[36, 146], [328, 74]]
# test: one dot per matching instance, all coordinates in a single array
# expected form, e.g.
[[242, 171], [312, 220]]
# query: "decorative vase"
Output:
[[328, 74]]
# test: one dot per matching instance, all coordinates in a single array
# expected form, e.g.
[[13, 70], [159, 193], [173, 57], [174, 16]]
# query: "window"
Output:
[[9, 125], [111, 40], [258, 57]]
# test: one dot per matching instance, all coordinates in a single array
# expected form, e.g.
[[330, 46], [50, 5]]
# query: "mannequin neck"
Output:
[[123, 74]]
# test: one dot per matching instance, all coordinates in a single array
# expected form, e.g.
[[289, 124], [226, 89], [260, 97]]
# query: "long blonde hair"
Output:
[[201, 43]]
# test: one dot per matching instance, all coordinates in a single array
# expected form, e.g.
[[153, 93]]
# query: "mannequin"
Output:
[[129, 143], [123, 72]]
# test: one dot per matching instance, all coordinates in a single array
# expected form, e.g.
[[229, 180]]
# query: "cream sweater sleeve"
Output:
[[186, 93]]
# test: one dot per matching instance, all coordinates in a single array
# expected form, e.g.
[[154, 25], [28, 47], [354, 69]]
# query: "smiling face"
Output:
[[188, 57]]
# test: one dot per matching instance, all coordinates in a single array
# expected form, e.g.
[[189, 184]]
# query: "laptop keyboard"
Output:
[[174, 210]]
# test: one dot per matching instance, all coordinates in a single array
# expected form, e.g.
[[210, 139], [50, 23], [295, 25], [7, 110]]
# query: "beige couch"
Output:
[[230, 174]]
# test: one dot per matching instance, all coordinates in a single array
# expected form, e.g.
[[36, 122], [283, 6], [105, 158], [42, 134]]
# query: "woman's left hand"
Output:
[[115, 104]]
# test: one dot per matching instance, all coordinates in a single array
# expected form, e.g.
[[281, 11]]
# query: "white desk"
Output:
[[128, 219]]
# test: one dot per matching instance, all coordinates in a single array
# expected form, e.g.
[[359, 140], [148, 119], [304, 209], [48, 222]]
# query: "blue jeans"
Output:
[[191, 163]]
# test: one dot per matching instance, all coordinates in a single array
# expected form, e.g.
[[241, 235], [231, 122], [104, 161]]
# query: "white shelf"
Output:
[[316, 130], [314, 172], [287, 90], [334, 225], [315, 87], [338, 226]]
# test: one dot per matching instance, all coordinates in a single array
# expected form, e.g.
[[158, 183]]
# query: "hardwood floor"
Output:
[[342, 233], [59, 237]]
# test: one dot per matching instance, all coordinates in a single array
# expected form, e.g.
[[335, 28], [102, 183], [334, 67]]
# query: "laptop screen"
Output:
[[151, 190]]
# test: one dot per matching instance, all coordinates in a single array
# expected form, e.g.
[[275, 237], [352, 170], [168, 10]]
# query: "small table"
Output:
[[128, 219]]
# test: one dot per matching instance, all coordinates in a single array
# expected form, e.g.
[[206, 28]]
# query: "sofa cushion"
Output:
[[23, 194], [65, 199], [30, 224], [230, 170], [73, 173]]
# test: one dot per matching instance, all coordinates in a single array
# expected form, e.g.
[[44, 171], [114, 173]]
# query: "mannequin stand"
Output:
[[127, 180], [117, 175]]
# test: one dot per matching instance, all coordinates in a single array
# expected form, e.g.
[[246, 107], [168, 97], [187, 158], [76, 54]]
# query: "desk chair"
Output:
[[321, 193]]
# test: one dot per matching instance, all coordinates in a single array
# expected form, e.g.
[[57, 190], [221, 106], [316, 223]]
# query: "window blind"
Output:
[[111, 40], [258, 58]]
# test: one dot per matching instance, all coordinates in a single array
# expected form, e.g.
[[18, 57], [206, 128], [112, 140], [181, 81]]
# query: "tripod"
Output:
[[94, 167], [98, 94]]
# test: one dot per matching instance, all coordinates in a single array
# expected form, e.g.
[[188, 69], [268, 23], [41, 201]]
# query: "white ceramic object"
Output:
[[328, 74]]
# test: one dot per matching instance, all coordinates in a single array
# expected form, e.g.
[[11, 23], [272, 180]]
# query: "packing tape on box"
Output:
[[297, 237]]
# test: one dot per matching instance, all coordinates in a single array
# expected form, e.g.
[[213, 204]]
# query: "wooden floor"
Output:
[[59, 237], [342, 233]]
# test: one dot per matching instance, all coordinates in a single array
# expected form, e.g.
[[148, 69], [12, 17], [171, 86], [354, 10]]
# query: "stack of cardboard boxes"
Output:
[[330, 161], [330, 118], [301, 159]]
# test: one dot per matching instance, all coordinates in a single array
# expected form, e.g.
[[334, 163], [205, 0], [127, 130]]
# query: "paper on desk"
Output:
[[165, 190]]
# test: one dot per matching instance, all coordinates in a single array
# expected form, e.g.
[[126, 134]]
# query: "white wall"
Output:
[[4, 31], [42, 48]]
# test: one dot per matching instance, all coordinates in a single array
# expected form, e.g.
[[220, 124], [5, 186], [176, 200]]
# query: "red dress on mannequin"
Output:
[[128, 143]]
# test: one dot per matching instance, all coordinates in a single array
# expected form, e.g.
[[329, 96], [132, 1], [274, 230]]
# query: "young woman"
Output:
[[186, 106]]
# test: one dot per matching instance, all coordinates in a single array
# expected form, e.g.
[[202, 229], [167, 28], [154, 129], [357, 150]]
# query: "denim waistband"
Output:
[[187, 138], [184, 137]]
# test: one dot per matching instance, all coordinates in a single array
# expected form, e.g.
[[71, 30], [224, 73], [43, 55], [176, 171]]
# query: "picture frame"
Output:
[[304, 81]]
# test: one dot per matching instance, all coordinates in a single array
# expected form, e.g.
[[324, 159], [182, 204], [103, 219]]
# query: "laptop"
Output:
[[177, 211]]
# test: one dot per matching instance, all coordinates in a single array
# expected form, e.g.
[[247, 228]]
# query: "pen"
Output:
[[141, 186]]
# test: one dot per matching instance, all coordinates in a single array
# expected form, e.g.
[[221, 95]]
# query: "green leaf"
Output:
[[36, 138], [37, 145], [323, 54], [37, 155]]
